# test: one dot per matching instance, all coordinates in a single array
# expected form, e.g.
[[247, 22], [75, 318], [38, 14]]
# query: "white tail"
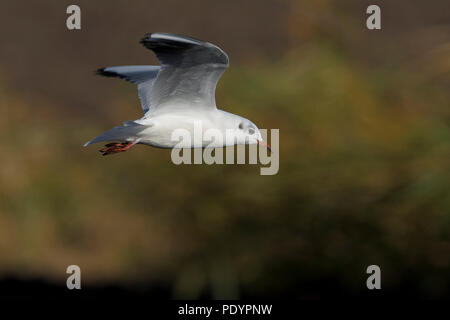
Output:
[[128, 132]]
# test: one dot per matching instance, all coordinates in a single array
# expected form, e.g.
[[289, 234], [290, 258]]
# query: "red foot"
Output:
[[116, 147]]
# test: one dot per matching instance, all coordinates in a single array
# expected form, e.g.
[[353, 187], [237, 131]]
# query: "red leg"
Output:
[[116, 147]]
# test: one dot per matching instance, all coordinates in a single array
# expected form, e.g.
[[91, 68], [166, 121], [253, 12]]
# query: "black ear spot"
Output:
[[241, 126]]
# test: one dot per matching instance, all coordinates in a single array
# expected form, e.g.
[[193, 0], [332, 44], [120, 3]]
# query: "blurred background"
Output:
[[364, 153]]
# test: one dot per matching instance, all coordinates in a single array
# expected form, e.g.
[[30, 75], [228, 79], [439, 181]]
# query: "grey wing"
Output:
[[190, 70], [143, 76]]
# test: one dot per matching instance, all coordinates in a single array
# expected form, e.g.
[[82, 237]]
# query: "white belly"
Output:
[[178, 131]]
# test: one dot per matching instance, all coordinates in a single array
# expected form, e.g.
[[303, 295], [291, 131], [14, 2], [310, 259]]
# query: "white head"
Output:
[[245, 131]]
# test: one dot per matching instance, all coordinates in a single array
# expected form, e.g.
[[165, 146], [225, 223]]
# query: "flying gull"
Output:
[[177, 95]]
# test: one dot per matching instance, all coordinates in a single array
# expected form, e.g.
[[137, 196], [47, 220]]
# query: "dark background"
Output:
[[364, 153]]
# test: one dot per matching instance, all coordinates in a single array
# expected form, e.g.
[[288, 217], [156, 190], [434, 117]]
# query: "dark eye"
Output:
[[251, 130], [241, 126]]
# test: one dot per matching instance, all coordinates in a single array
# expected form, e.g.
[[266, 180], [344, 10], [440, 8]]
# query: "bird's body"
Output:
[[179, 94], [159, 128]]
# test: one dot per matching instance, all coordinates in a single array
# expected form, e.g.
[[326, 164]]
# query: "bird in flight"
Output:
[[177, 94]]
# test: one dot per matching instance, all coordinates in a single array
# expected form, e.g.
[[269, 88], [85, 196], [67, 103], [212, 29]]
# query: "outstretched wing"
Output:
[[143, 76], [190, 70]]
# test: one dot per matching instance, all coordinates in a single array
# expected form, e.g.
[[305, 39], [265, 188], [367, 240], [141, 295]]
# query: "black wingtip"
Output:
[[105, 73], [146, 38], [157, 39], [146, 41]]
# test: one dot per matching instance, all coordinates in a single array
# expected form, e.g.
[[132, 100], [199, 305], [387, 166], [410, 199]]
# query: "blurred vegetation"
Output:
[[364, 177]]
